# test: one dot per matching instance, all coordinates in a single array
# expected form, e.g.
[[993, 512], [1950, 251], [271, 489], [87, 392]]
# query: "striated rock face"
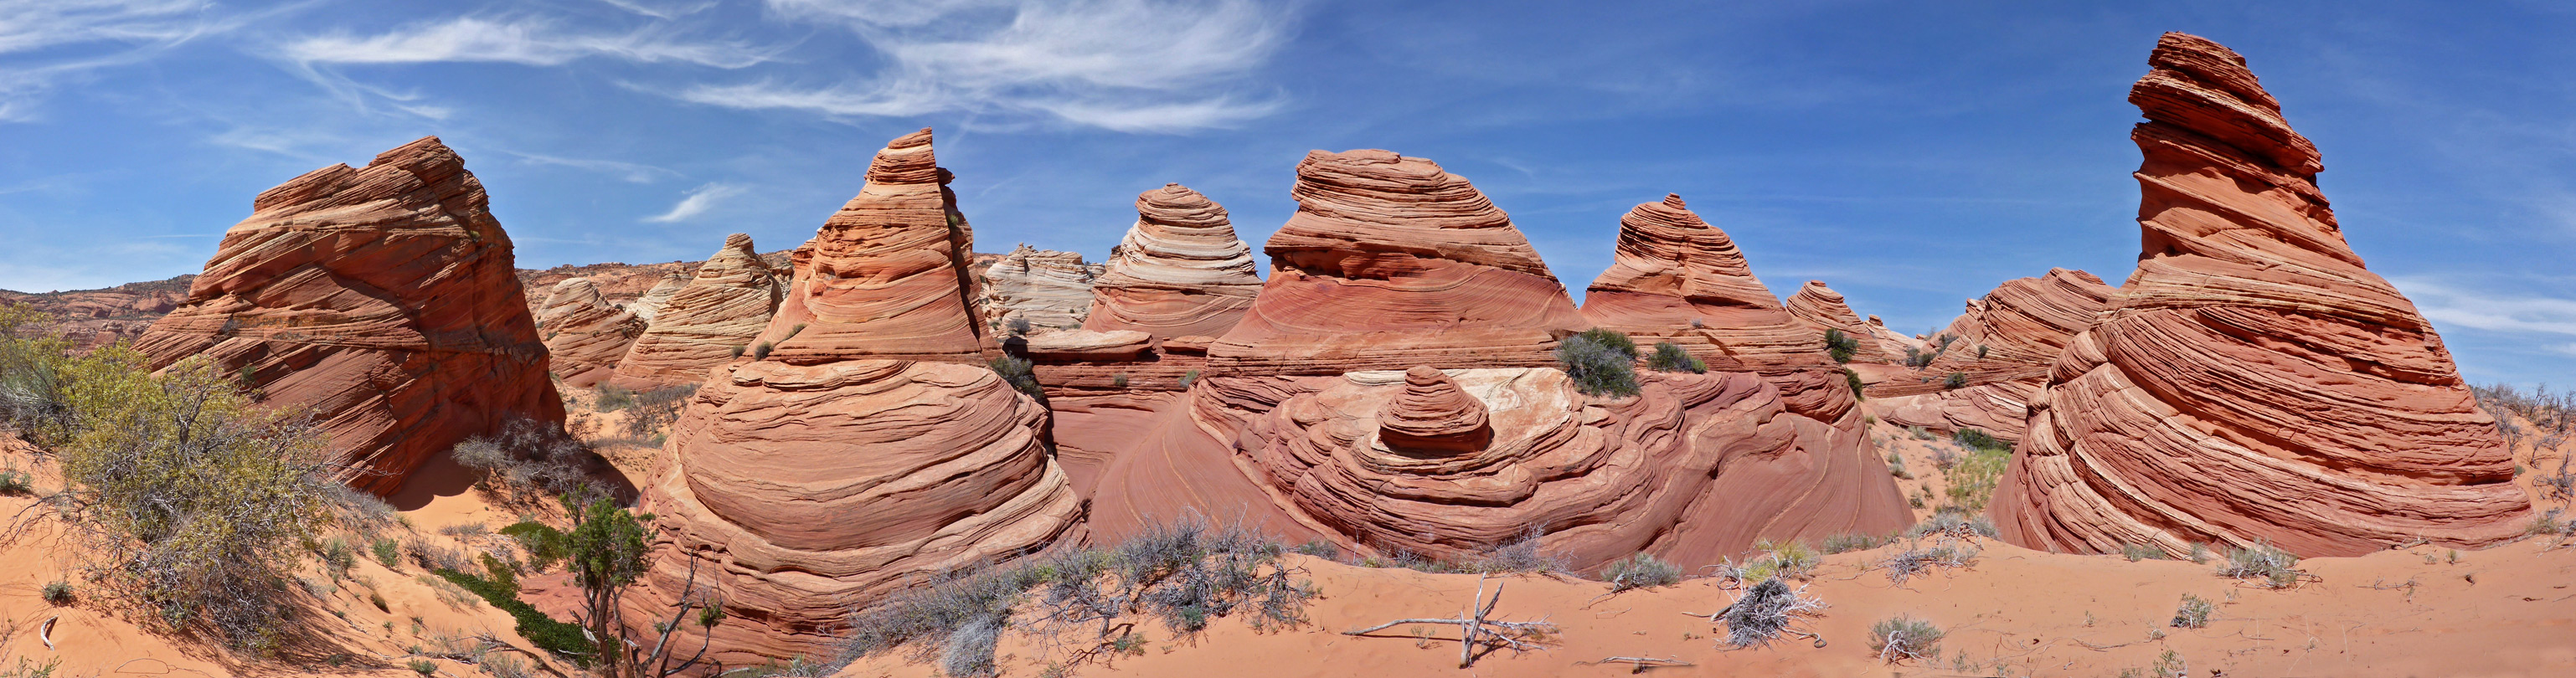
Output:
[[382, 299], [1180, 272], [827, 476], [1389, 263], [1823, 308], [1891, 343], [95, 318], [1677, 279], [2002, 347], [1449, 464], [708, 322], [2254, 382], [585, 335], [650, 305], [1050, 289]]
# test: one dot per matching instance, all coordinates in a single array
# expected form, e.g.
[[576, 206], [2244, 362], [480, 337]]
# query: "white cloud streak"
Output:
[[628, 171], [1126, 65], [2481, 309], [45, 41], [662, 10], [698, 201], [529, 41]]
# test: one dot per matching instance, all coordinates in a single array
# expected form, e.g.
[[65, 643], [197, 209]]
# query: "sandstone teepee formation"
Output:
[[1390, 263], [1675, 278], [2254, 382], [585, 335], [381, 298], [2001, 349], [871, 448], [1180, 272], [707, 322], [1046, 288]]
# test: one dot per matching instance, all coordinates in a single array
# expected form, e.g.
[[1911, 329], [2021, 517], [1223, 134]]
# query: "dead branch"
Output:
[[1475, 629], [1641, 663]]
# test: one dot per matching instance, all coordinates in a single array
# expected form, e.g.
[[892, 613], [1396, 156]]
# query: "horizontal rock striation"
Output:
[[585, 335], [1389, 263], [1823, 308], [1046, 288], [380, 299], [2001, 349], [2254, 382], [708, 322], [1180, 271]]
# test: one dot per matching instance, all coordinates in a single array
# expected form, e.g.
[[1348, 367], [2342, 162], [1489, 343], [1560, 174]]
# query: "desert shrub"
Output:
[[1918, 433], [2194, 612], [1896, 466], [1766, 610], [1775, 560], [1955, 381], [1640, 571], [761, 352], [1320, 549], [1019, 327], [1944, 458], [613, 398], [735, 352], [1973, 479], [200, 500], [1848, 542], [1852, 379], [543, 543], [1020, 374], [562, 638], [538, 457], [1521, 554], [1918, 358], [2138, 552], [1841, 346], [1953, 524], [423, 666], [1118, 381], [58, 592], [387, 552], [1670, 357], [654, 412], [1903, 638], [15, 482], [1187, 379], [2273, 567], [792, 332], [1600, 361], [1183, 573], [32, 360], [1945, 552]]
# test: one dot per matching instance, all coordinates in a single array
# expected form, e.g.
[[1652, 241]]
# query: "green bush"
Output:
[[762, 353], [1641, 571], [1670, 357], [1903, 638], [1848, 542], [1188, 379], [1118, 381], [2194, 612], [1973, 479], [387, 552], [1841, 346], [58, 592], [423, 666], [200, 499], [2138, 552], [15, 482], [1955, 381], [562, 638], [1852, 379], [1601, 362], [1020, 374], [544, 543], [612, 398], [540, 457]]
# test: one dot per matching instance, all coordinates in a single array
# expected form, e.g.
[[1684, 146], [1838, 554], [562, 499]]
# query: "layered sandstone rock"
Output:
[[1675, 278], [1389, 263], [585, 335], [1180, 271], [1893, 344], [2254, 382], [870, 450], [2001, 349], [380, 299], [708, 322], [1047, 288], [650, 305], [1449, 464], [1823, 308]]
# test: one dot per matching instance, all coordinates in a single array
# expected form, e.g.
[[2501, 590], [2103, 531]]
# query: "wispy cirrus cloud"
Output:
[[2448, 304], [529, 41], [43, 42], [1125, 65], [631, 172], [697, 202]]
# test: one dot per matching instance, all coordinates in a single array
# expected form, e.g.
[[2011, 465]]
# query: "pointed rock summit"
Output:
[[870, 449], [1180, 271], [659, 295], [1822, 307], [1433, 414], [708, 322], [2002, 349], [383, 299], [2254, 382], [1050, 289], [585, 335], [1389, 263], [1675, 278]]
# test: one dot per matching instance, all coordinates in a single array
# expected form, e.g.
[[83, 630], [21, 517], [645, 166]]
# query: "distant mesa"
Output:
[[384, 300], [2253, 383]]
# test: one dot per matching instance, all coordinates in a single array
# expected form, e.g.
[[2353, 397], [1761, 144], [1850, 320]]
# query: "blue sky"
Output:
[[1911, 155]]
